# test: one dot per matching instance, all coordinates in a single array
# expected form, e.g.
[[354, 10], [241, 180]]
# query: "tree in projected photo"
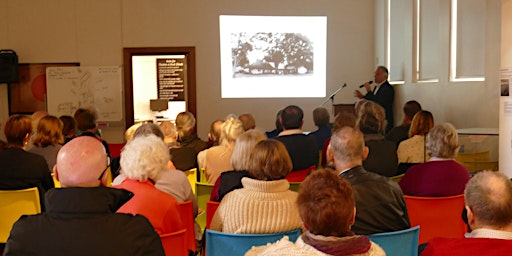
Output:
[[271, 53]]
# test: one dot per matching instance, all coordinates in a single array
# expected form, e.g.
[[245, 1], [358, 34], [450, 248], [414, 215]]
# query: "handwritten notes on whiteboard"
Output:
[[69, 88]]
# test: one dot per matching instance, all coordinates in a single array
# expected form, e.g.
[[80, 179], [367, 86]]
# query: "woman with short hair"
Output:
[[441, 175], [264, 204], [412, 150], [48, 139]]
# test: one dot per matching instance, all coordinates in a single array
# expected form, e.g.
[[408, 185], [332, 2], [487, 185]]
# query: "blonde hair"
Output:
[[442, 141], [49, 132], [169, 131], [144, 157], [230, 130], [128, 134], [371, 118], [244, 145], [185, 123], [269, 161], [421, 123]]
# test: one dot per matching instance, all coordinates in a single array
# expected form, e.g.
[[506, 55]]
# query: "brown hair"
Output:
[[68, 125], [49, 132], [326, 204], [343, 119], [321, 116], [85, 119], [421, 124], [17, 128], [269, 161], [371, 118]]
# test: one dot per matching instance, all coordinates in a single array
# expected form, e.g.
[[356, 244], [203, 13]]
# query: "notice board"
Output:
[[69, 88]]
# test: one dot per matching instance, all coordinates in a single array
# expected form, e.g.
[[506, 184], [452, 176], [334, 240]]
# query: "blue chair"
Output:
[[219, 243], [403, 242]]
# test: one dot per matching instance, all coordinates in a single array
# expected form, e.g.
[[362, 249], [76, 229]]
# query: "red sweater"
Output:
[[467, 246]]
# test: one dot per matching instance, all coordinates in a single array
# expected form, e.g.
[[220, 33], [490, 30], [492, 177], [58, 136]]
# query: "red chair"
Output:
[[187, 218], [300, 175], [174, 244], [437, 216], [115, 149], [211, 208]]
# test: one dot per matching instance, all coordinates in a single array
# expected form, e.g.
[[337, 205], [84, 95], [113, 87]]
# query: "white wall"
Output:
[[94, 32]]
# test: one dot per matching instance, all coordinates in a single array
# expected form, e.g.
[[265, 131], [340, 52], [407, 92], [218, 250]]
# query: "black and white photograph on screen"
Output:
[[273, 56]]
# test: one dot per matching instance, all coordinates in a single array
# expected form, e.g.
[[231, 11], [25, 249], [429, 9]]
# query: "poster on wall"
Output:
[[29, 94], [170, 74], [505, 79]]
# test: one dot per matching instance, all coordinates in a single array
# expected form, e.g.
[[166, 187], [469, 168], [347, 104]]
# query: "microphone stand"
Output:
[[332, 97]]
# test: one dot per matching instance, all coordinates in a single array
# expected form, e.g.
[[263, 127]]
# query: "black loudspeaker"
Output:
[[8, 66]]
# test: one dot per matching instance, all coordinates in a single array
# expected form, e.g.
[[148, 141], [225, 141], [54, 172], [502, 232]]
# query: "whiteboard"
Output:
[[69, 88]]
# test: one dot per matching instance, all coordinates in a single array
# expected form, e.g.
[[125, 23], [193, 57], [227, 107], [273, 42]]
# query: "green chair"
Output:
[[203, 191], [294, 186]]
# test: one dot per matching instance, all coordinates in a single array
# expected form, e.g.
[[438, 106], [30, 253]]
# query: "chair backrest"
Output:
[[299, 175], [403, 242], [473, 157], [115, 149], [187, 218], [174, 244], [211, 208], [294, 186], [219, 243], [191, 176], [437, 216], [481, 165], [13, 204], [397, 178], [56, 182], [203, 191]]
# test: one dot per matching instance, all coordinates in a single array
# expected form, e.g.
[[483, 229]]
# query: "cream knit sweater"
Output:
[[257, 208]]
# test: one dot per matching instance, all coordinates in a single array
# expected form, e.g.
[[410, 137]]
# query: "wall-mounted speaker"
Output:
[[8, 66]]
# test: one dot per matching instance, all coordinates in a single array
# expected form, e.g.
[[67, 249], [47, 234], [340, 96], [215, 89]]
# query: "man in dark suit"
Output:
[[382, 94]]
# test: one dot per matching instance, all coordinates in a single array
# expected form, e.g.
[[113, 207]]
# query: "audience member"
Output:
[[321, 118], [240, 160], [86, 123], [302, 148], [401, 132], [279, 128], [441, 175], [19, 168], [69, 127], [341, 120], [327, 209], [183, 158], [382, 158], [48, 139], [187, 137], [218, 159], [383, 94], [143, 159], [36, 116], [80, 217], [214, 134], [248, 121], [412, 150], [264, 204], [488, 197], [379, 201]]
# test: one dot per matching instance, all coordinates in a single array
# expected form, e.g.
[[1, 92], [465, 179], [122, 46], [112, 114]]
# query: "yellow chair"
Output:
[[294, 186], [13, 204], [191, 176], [203, 191], [473, 157], [398, 178], [202, 175], [55, 181], [481, 165]]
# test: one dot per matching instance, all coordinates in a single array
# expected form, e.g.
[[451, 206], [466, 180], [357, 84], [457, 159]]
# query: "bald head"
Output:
[[81, 162]]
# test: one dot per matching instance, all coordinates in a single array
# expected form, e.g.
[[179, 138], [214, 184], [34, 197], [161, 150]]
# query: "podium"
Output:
[[338, 108]]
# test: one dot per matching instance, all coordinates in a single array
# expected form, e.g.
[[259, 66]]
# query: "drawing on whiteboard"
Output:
[[75, 87]]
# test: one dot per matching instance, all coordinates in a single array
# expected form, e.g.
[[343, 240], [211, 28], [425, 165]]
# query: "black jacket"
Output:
[[81, 221], [384, 97], [380, 204]]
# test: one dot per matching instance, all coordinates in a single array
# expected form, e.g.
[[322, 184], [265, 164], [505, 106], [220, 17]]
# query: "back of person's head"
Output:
[[240, 158], [291, 118], [169, 131], [326, 204], [149, 129], [17, 130], [269, 161], [36, 116], [411, 108], [185, 123], [359, 104], [343, 119], [488, 195], [128, 134], [144, 157], [248, 121], [442, 141], [371, 119], [69, 125], [321, 116], [279, 126], [215, 127], [421, 124], [86, 118], [347, 145], [49, 132], [230, 130], [82, 162]]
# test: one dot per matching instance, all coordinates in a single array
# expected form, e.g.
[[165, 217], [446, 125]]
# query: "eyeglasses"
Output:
[[106, 168]]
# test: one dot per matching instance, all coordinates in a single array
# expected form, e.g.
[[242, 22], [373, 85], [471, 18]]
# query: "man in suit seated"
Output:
[[379, 201], [80, 218], [488, 197], [302, 148]]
